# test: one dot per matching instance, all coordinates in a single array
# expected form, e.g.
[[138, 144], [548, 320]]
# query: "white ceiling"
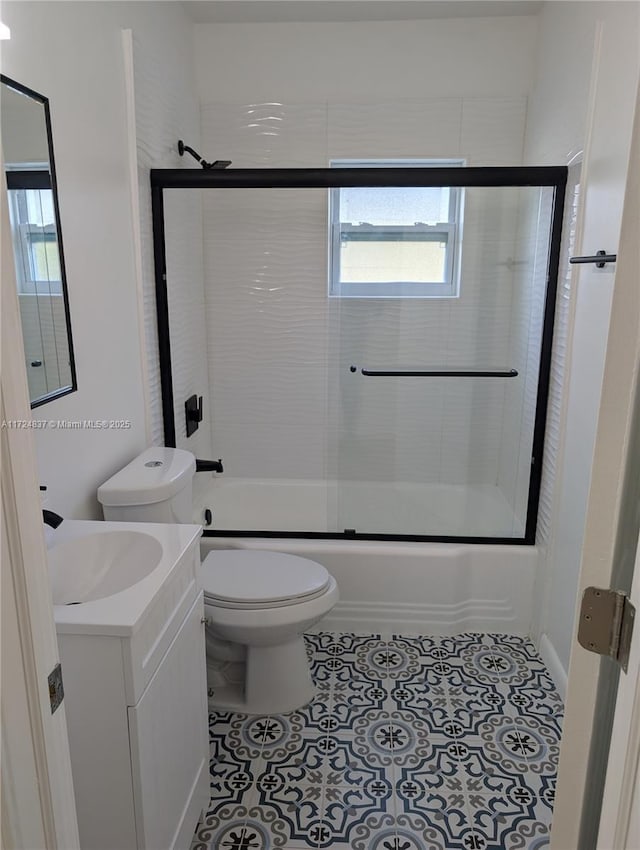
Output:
[[280, 11]]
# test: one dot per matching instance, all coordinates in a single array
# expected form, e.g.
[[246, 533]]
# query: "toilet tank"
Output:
[[155, 487]]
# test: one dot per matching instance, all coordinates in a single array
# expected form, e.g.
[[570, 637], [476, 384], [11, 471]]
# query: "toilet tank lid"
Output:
[[154, 476]]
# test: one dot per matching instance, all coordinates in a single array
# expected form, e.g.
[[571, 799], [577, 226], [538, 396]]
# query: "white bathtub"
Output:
[[416, 588], [403, 507]]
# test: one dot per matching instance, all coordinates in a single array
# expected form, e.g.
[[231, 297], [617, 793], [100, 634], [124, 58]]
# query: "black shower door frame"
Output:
[[553, 177]]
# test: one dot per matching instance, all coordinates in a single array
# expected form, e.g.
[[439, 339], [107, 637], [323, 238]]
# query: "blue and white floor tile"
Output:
[[412, 743]]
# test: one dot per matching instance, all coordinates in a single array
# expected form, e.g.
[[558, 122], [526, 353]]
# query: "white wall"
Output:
[[307, 63], [24, 129], [557, 130], [72, 53], [562, 78]]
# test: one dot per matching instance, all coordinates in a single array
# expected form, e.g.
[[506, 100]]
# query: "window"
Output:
[[35, 239], [395, 242]]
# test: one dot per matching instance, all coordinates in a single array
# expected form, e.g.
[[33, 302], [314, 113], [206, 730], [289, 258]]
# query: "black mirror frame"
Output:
[[63, 274]]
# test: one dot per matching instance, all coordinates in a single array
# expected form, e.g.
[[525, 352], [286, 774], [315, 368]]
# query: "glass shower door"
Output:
[[437, 329]]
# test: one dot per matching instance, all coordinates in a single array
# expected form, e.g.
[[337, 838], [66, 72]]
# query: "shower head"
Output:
[[219, 163]]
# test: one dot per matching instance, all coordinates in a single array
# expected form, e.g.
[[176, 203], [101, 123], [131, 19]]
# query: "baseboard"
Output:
[[553, 665], [472, 615]]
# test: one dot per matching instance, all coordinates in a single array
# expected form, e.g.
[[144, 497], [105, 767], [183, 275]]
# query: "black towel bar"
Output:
[[449, 373], [600, 259]]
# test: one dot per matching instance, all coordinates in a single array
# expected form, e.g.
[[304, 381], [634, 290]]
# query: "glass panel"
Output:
[[252, 340], [392, 259], [394, 205], [309, 440], [438, 455]]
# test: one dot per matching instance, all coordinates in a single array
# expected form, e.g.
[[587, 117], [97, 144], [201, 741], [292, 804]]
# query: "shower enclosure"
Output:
[[371, 344]]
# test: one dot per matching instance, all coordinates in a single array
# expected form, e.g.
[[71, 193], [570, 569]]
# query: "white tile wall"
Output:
[[283, 401], [190, 373], [44, 328], [265, 134], [400, 128], [166, 110], [492, 130]]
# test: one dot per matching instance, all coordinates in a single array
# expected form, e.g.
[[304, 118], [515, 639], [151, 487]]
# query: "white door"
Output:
[[38, 807], [620, 821], [611, 531]]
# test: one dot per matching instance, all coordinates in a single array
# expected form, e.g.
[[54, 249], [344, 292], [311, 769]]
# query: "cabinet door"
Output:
[[169, 742]]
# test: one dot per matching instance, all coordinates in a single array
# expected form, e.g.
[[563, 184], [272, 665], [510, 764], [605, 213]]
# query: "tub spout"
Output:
[[51, 518], [209, 465]]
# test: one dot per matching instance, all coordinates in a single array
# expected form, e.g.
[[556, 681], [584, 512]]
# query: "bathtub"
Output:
[[416, 588], [399, 507]]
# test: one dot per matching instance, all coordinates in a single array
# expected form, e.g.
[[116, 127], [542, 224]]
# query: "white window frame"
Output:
[[25, 235], [451, 230]]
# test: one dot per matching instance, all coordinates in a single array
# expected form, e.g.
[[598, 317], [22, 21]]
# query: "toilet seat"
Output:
[[252, 579]]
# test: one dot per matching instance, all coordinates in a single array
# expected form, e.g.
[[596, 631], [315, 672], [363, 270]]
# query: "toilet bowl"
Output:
[[263, 602], [257, 604]]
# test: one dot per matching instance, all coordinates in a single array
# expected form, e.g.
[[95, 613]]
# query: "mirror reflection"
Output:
[[37, 242]]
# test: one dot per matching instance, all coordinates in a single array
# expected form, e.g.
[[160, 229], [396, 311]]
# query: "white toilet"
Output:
[[258, 603]]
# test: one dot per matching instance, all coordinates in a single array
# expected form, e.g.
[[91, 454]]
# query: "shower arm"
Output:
[[218, 163]]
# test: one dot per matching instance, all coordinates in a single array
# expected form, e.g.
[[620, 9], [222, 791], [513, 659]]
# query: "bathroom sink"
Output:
[[132, 651], [108, 578], [101, 564]]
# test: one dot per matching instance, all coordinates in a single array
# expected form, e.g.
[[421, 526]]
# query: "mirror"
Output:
[[37, 241]]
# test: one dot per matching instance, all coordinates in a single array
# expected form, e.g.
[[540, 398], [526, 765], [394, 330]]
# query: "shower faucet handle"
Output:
[[193, 414]]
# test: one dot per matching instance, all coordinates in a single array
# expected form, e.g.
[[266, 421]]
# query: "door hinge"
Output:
[[56, 688], [606, 623]]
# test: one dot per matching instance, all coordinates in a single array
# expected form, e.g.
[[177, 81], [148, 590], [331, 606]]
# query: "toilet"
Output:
[[258, 604]]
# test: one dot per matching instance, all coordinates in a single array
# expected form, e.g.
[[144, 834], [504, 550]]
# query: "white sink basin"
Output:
[[117, 573], [101, 564]]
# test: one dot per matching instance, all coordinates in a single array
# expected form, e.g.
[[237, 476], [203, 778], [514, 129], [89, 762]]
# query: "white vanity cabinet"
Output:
[[168, 742], [136, 705]]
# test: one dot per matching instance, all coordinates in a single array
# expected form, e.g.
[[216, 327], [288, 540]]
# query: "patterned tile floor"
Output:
[[412, 743]]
